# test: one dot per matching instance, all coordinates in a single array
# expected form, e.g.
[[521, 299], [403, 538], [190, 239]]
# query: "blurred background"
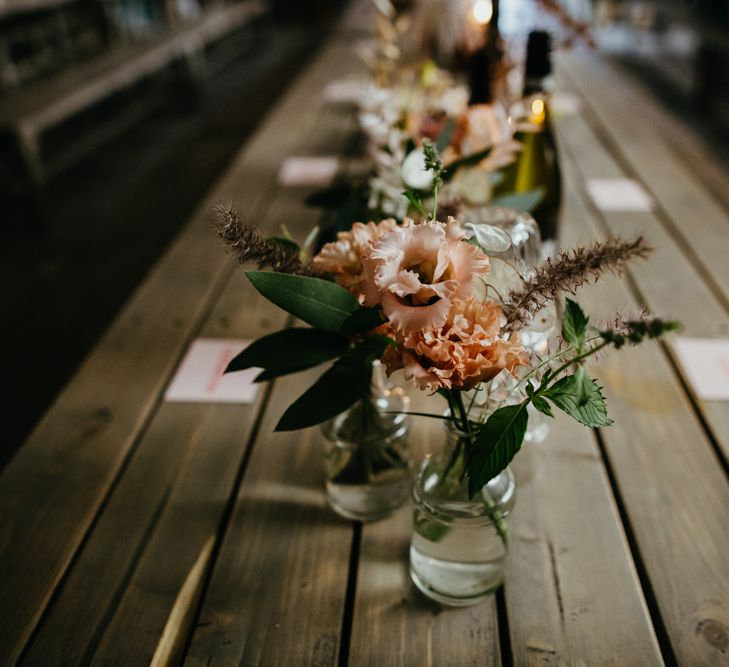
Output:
[[116, 116]]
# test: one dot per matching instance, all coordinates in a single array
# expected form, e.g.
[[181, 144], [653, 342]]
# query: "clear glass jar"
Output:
[[459, 545], [521, 244], [366, 454]]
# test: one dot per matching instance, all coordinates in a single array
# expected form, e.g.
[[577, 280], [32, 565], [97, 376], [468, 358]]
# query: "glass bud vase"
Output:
[[459, 545], [366, 453]]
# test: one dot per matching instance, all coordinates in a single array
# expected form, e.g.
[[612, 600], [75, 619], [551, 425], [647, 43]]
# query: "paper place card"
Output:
[[345, 91], [303, 172], [565, 104], [200, 379], [619, 194], [705, 362]]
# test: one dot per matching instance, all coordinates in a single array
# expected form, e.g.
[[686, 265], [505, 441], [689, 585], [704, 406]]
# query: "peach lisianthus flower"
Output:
[[415, 271], [467, 350], [343, 257]]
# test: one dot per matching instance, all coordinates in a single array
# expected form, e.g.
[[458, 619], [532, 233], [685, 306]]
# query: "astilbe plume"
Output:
[[565, 273], [247, 244]]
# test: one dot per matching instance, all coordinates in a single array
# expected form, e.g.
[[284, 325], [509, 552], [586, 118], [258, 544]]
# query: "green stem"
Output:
[[365, 450], [494, 514]]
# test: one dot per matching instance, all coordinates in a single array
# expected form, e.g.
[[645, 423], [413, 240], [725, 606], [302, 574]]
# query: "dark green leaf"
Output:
[[363, 319], [369, 350], [566, 393], [521, 201], [318, 302], [574, 324], [540, 404], [289, 351], [337, 389], [583, 385], [495, 445], [415, 201]]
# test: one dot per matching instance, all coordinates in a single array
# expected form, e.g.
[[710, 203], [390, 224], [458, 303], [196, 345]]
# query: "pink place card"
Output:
[[200, 378], [308, 172], [619, 195], [705, 362]]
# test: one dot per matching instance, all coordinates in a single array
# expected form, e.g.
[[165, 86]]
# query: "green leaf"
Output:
[[540, 404], [495, 445], [369, 350], [318, 302], [521, 201], [337, 389], [415, 201], [363, 319], [574, 324], [289, 351], [566, 394]]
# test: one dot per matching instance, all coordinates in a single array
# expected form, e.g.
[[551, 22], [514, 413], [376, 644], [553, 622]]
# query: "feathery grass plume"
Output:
[[565, 273], [634, 331], [246, 244]]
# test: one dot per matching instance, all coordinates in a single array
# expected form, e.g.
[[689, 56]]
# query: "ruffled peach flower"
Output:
[[485, 125], [415, 272], [464, 352], [343, 257]]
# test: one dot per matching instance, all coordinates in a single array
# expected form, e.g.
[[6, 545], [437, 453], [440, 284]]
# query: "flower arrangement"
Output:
[[416, 297]]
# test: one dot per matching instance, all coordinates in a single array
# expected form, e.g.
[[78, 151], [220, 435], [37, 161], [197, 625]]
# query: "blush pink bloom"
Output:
[[415, 272], [464, 352], [343, 257]]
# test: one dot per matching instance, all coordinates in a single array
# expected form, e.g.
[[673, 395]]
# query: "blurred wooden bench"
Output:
[[40, 106]]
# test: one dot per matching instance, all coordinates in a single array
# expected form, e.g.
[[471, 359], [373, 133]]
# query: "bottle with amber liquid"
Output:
[[537, 166]]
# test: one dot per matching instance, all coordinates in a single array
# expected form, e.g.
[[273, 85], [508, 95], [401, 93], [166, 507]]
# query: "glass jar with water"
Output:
[[459, 545]]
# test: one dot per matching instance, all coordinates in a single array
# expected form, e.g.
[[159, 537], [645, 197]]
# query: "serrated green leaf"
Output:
[[318, 302], [540, 404], [337, 389], [565, 394], [363, 319], [574, 324], [495, 445], [521, 201], [304, 348]]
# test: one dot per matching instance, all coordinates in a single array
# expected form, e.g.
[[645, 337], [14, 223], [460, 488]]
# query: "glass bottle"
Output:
[[366, 453], [459, 545]]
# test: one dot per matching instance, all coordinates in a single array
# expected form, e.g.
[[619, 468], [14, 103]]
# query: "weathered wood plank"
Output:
[[186, 464], [51, 491], [572, 593], [689, 212], [669, 480], [686, 296], [394, 624], [168, 503], [278, 587]]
